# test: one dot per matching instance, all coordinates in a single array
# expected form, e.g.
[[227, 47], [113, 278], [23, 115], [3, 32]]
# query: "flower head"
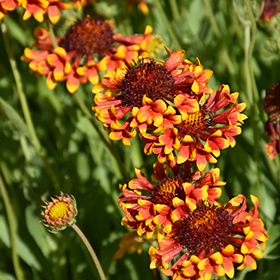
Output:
[[59, 213], [271, 104], [169, 103], [140, 94], [164, 201], [88, 47], [202, 131], [210, 238]]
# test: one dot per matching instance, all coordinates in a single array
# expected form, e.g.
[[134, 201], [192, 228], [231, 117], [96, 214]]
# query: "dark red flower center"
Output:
[[88, 36], [207, 227], [147, 78], [167, 190], [196, 122]]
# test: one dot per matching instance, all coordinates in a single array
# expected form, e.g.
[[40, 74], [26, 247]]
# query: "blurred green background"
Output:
[[219, 33]]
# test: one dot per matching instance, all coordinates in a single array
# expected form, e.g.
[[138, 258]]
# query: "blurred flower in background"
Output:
[[130, 243], [270, 9], [79, 4], [271, 104], [141, 5]]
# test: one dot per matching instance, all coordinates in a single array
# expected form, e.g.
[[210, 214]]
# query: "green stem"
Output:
[[174, 9], [13, 231], [167, 24], [257, 100], [91, 251], [251, 89], [109, 145], [50, 29], [246, 64], [24, 104], [212, 19], [216, 30]]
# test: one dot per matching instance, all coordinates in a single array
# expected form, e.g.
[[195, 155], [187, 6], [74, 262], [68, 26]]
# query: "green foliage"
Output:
[[79, 163]]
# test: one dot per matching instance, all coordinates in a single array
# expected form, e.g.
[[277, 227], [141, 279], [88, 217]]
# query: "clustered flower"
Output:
[[180, 119], [196, 235], [166, 200], [170, 105], [186, 124]]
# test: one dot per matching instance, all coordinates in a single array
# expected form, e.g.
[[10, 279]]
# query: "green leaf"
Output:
[[22, 249], [15, 30], [6, 276], [83, 166], [14, 117], [39, 232]]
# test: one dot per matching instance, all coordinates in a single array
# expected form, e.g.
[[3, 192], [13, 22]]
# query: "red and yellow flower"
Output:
[[38, 8], [54, 8], [89, 46], [210, 239], [169, 103], [164, 201], [202, 131], [139, 97]]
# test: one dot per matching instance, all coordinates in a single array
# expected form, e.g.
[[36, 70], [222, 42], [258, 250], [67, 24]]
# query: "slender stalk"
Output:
[[252, 91], [212, 19], [247, 63], [24, 104], [167, 24], [91, 251], [13, 231], [109, 145], [250, 54], [224, 53], [174, 9], [50, 29]]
